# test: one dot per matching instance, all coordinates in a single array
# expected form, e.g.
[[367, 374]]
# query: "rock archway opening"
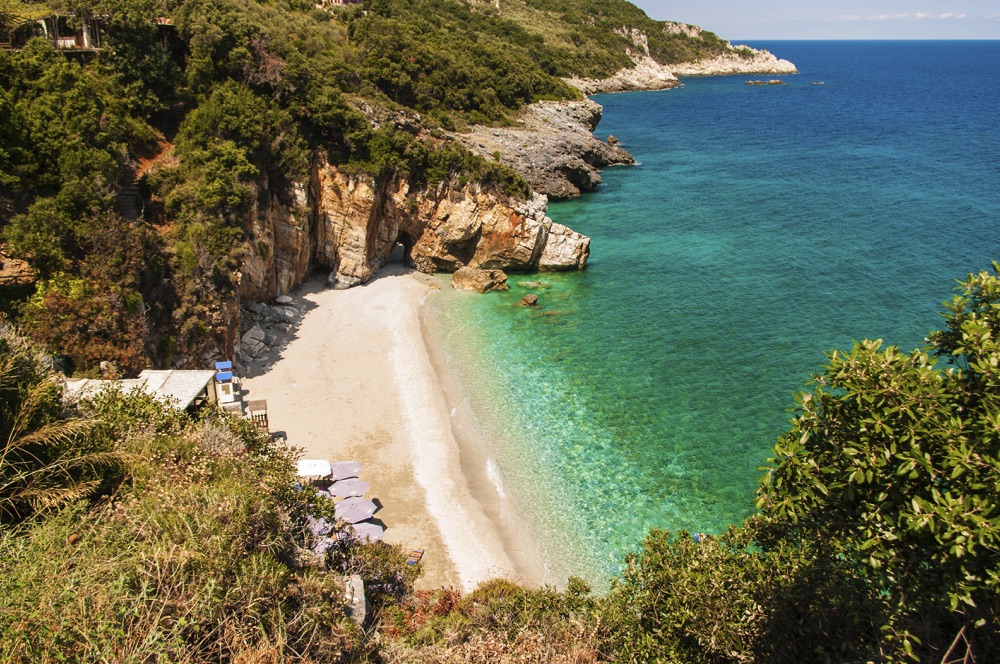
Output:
[[401, 250]]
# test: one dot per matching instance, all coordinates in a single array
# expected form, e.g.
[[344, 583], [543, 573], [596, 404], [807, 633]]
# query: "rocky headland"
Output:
[[648, 74], [348, 223], [553, 147]]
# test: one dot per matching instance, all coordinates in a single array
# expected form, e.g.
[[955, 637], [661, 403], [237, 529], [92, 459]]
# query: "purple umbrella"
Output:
[[360, 503], [353, 515], [318, 527], [368, 531], [344, 469], [346, 488], [322, 545]]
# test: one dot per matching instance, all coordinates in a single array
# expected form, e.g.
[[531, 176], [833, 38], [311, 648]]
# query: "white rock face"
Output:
[[648, 74], [759, 62], [565, 249]]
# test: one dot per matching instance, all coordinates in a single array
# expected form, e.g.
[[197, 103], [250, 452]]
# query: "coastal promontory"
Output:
[[222, 152]]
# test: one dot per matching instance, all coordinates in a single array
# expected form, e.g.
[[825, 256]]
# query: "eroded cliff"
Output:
[[348, 225], [646, 73]]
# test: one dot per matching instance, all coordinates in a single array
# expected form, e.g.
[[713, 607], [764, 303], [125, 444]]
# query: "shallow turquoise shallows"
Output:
[[763, 226]]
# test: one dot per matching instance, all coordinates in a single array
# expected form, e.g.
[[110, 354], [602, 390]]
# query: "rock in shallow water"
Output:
[[529, 300], [481, 281]]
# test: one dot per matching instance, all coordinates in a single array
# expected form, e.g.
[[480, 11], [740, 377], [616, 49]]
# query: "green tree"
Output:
[[893, 464], [45, 460]]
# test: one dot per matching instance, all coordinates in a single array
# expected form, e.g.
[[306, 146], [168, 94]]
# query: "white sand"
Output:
[[356, 383]]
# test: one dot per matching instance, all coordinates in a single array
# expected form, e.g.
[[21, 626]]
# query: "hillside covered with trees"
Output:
[[133, 532], [130, 532], [127, 173]]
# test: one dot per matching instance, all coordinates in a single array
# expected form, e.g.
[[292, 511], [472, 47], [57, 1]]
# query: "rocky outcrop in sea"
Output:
[[553, 147]]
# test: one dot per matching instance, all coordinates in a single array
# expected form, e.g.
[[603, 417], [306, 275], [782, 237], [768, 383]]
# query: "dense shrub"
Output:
[[500, 621], [187, 548]]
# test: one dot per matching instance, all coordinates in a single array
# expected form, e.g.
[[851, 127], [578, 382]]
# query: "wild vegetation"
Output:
[[202, 102], [132, 532], [876, 537]]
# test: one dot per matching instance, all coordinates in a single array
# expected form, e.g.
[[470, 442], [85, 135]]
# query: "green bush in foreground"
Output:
[[191, 548], [877, 538], [46, 460]]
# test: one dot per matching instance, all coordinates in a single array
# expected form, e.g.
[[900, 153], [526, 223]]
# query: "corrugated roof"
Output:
[[184, 386], [179, 388]]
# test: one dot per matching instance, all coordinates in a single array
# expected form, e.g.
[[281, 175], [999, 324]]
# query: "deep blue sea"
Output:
[[762, 227]]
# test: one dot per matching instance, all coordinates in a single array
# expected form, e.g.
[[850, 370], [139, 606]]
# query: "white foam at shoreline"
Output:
[[474, 550], [493, 472]]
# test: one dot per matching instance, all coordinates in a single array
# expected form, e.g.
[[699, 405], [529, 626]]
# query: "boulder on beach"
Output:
[[481, 281]]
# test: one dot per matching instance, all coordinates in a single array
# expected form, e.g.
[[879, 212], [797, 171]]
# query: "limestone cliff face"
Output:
[[279, 254], [358, 221]]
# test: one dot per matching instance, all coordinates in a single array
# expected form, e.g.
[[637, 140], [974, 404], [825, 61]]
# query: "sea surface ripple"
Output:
[[764, 226]]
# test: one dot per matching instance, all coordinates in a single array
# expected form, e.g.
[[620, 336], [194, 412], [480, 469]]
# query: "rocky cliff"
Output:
[[553, 147], [348, 224], [358, 221]]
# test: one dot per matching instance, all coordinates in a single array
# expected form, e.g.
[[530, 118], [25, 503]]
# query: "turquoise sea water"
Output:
[[762, 227]]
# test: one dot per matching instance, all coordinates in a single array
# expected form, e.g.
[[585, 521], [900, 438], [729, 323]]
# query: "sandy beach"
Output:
[[355, 381]]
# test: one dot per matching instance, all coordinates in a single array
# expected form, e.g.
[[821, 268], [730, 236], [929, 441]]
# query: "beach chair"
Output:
[[258, 413], [415, 556]]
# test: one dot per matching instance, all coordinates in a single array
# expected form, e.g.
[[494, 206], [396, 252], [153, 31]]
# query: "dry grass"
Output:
[[499, 622], [188, 564]]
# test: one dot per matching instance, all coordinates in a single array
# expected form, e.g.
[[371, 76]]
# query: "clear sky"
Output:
[[847, 19]]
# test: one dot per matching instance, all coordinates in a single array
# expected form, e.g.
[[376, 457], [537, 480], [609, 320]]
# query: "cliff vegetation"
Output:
[[131, 532], [131, 174]]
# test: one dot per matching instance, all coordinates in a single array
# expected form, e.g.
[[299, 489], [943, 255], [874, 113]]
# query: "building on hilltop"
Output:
[[338, 3], [20, 23]]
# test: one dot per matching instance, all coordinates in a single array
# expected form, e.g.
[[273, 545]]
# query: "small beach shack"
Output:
[[186, 390], [225, 382]]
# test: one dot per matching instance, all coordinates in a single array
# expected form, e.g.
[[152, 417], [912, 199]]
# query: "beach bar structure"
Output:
[[186, 390], [225, 383]]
